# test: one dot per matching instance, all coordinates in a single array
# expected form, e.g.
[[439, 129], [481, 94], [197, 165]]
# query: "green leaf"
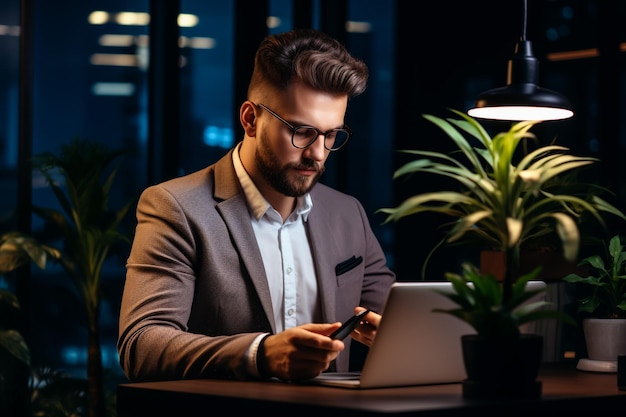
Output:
[[14, 343], [480, 302], [607, 281]]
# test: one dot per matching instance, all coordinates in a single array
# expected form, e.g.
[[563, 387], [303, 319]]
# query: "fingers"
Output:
[[321, 328], [301, 352], [366, 330], [371, 318], [305, 351]]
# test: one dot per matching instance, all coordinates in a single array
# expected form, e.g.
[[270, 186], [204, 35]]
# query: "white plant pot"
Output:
[[605, 340]]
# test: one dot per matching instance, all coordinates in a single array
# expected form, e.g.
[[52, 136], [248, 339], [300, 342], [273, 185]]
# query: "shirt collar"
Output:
[[256, 202]]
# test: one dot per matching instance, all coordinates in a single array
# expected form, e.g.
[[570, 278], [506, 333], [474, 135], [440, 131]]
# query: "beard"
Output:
[[279, 176]]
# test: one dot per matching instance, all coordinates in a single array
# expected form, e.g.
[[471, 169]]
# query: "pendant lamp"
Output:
[[522, 99]]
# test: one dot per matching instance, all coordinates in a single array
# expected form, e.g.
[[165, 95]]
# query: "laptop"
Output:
[[414, 345]]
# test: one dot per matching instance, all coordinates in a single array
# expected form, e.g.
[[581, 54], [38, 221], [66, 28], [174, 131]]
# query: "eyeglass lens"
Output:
[[334, 139]]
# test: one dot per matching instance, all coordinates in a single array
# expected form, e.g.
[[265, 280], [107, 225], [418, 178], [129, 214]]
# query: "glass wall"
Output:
[[207, 83], [9, 94], [90, 68]]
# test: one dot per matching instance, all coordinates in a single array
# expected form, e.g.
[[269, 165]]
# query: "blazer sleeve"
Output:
[[155, 341]]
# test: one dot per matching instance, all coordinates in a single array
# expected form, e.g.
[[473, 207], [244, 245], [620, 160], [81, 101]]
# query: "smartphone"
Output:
[[349, 325]]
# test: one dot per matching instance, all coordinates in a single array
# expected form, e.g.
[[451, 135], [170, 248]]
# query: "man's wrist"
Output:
[[261, 366]]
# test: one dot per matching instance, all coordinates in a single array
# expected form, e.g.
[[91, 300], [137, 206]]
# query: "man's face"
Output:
[[287, 169]]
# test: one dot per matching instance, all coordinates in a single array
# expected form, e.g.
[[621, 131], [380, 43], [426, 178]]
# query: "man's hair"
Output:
[[312, 57]]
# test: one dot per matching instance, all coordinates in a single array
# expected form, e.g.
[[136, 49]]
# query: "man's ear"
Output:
[[247, 118]]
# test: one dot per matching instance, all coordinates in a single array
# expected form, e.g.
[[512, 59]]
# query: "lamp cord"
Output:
[[525, 14]]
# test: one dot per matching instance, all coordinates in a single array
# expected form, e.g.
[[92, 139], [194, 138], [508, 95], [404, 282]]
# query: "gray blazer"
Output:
[[196, 293]]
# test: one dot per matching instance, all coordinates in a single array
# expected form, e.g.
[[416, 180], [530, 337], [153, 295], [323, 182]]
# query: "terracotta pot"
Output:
[[502, 368], [553, 266]]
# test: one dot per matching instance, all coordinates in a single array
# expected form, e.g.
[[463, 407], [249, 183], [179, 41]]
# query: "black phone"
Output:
[[349, 325]]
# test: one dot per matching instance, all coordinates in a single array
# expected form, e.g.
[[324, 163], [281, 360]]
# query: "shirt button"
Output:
[[289, 269], [290, 312]]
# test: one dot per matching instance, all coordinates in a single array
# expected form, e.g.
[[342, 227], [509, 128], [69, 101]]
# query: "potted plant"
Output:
[[502, 204], [603, 306], [500, 360], [89, 230]]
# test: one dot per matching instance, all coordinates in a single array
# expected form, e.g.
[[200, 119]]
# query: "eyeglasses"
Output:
[[304, 136]]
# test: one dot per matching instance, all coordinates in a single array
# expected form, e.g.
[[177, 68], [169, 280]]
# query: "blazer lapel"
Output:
[[234, 211], [322, 248]]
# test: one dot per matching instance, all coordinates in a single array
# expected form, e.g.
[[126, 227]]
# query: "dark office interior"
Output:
[[169, 91]]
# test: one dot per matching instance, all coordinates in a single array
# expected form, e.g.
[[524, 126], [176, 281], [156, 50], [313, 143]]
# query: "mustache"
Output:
[[309, 164]]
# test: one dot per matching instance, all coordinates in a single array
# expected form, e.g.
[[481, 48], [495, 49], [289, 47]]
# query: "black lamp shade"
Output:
[[522, 98]]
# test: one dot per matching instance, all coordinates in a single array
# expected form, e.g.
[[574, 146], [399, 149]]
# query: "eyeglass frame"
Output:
[[293, 128]]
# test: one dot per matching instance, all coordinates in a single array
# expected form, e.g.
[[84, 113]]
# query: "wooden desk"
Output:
[[566, 392]]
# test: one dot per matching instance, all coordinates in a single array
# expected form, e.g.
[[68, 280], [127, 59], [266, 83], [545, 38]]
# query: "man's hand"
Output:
[[302, 352], [365, 332]]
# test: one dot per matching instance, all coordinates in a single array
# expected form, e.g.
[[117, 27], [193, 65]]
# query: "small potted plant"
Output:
[[500, 360], [603, 307], [502, 204]]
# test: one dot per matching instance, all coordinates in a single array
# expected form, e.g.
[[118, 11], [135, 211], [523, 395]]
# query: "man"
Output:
[[242, 270]]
